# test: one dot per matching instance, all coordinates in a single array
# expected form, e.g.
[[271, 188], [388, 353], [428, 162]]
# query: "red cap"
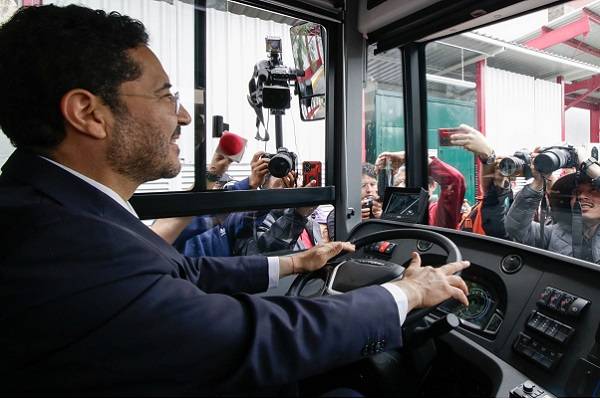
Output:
[[231, 144]]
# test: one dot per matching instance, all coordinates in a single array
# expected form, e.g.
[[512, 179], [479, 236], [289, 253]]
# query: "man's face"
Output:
[[589, 198], [368, 187], [143, 136]]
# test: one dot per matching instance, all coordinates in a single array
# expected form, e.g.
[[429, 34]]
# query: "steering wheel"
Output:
[[373, 274]]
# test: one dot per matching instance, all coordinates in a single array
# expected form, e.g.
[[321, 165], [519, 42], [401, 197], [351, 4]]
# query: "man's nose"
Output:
[[183, 118]]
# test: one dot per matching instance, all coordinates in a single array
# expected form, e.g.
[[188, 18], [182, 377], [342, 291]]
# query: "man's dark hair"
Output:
[[49, 50], [369, 170]]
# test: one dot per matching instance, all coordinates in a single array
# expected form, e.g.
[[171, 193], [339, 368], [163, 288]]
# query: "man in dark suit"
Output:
[[93, 302]]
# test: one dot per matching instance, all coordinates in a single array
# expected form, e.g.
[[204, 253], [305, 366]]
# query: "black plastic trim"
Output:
[[298, 9], [177, 204], [438, 17], [415, 115]]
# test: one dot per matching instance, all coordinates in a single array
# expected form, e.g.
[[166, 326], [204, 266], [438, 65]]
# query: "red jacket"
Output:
[[446, 211]]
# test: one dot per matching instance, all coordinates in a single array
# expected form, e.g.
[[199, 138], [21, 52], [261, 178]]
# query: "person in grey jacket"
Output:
[[574, 233]]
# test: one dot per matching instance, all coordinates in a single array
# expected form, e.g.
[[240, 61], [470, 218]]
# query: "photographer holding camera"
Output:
[[369, 198], [575, 204]]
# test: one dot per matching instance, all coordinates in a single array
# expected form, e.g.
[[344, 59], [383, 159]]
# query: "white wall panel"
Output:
[[577, 131], [520, 112], [548, 108]]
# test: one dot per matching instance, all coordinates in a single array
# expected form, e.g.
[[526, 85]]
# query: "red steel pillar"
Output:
[[595, 125]]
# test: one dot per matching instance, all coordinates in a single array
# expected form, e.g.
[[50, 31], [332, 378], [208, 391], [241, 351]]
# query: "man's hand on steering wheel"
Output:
[[312, 259], [427, 286]]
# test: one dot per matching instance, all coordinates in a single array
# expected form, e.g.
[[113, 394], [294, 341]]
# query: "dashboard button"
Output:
[[554, 300]]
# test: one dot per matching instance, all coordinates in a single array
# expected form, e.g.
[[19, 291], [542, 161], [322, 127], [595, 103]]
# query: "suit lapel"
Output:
[[75, 194]]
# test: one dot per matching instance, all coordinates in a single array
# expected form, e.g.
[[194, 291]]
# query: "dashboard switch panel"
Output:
[[530, 390], [549, 328], [536, 351], [562, 302]]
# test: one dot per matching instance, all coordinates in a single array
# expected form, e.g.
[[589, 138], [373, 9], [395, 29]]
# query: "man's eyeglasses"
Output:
[[172, 97]]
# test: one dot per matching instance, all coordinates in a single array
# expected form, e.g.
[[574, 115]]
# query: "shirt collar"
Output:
[[103, 188]]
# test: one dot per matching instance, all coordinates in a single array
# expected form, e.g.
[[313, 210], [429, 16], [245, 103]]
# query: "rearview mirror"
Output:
[[309, 56]]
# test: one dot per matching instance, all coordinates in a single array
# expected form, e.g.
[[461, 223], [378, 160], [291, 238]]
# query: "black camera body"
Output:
[[517, 165], [282, 162], [552, 158], [269, 86]]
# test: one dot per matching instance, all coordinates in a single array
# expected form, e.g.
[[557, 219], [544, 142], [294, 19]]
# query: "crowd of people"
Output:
[[498, 211], [570, 215]]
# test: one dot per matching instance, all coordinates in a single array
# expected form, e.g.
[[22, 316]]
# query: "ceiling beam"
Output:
[[560, 35], [593, 16], [588, 84], [578, 44]]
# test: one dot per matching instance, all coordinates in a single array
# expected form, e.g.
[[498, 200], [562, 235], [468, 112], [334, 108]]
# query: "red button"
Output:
[[383, 246]]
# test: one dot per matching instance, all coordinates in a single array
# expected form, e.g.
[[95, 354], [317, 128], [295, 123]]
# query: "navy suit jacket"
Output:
[[93, 303]]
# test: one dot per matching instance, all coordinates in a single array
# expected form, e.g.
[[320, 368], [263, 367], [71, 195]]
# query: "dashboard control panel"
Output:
[[540, 353], [562, 302], [545, 338], [549, 328]]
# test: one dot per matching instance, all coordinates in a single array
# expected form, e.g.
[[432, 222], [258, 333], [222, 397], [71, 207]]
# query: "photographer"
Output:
[[369, 199], [287, 229], [575, 206], [488, 214]]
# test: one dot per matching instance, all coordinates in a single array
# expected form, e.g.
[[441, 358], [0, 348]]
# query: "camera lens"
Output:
[[511, 166], [552, 159], [280, 165]]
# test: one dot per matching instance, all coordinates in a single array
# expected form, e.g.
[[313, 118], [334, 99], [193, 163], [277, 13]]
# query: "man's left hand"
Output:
[[312, 259]]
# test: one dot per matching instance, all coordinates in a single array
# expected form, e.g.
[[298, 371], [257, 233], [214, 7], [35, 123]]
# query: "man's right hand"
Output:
[[260, 168], [428, 286], [396, 158], [538, 179]]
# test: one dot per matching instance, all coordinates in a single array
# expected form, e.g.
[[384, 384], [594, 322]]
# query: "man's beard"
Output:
[[139, 151]]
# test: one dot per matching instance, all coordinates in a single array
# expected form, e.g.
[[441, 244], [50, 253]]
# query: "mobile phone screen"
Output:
[[444, 135]]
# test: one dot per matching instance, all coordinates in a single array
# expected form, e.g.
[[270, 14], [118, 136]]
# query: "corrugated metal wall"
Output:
[[520, 111]]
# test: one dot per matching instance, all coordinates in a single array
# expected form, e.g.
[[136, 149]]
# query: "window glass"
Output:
[[170, 25], [498, 99], [248, 232], [219, 101], [383, 129], [251, 58]]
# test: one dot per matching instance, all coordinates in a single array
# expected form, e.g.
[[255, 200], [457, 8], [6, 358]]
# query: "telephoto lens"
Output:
[[553, 158], [511, 166]]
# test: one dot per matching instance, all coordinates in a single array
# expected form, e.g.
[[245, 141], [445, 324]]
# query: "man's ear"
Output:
[[85, 112]]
